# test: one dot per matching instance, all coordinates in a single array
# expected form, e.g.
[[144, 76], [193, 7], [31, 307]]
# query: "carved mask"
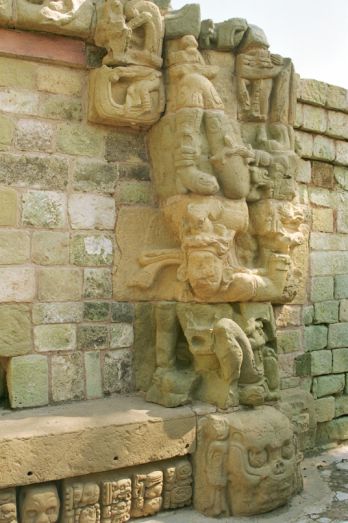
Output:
[[39, 504], [262, 461], [204, 272]]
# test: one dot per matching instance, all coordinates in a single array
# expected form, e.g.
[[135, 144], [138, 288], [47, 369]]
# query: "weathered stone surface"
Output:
[[313, 92], [136, 171], [27, 381], [341, 286], [341, 176], [289, 340], [98, 176], [337, 125], [304, 172], [17, 73], [59, 80], [59, 284], [6, 131], [55, 337], [338, 335], [326, 312], [14, 247], [337, 98], [34, 135], [8, 207], [340, 360], [314, 363], [44, 209], [315, 337], [342, 221], [67, 377], [134, 192], [325, 409], [314, 119], [94, 386], [81, 140], [289, 383], [322, 197], [341, 406], [323, 148], [17, 284], [123, 427], [342, 153], [184, 21], [97, 283], [305, 142], [15, 330], [60, 107], [57, 312], [327, 385], [344, 310], [323, 174], [329, 263], [6, 11], [96, 311], [308, 314], [125, 147], [90, 249], [117, 371], [122, 335], [335, 430], [91, 211], [50, 248], [322, 288], [36, 172], [122, 312], [92, 337], [322, 220], [20, 102], [329, 242]]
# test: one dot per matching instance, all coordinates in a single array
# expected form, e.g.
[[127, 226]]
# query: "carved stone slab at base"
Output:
[[246, 463], [130, 96], [67, 17]]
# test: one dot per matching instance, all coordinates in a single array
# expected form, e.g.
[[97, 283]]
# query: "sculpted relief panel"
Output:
[[226, 187]]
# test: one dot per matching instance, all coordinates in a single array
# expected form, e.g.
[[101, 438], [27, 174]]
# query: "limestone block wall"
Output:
[[62, 180], [313, 339]]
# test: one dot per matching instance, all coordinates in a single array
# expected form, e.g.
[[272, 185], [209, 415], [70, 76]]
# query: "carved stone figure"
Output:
[[147, 493], [202, 353], [8, 508], [81, 502], [132, 33], [116, 501], [177, 485], [130, 96], [224, 36], [39, 503], [246, 463]]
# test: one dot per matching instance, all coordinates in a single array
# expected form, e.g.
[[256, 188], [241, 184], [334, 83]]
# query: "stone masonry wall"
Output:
[[62, 337], [313, 339]]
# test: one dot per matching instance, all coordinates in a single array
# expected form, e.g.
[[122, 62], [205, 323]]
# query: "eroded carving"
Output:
[[81, 502], [177, 491], [39, 503], [8, 508], [147, 493], [246, 463], [203, 353], [116, 500]]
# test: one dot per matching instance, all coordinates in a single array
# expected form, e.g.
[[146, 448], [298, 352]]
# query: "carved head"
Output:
[[262, 462], [8, 513], [204, 272], [39, 504]]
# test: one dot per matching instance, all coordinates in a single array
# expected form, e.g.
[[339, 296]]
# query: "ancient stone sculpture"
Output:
[[81, 502], [132, 94], [246, 463], [202, 353], [116, 500], [8, 508], [39, 503], [147, 493], [177, 486]]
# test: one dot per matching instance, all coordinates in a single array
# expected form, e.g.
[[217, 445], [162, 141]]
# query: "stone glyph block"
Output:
[[234, 471]]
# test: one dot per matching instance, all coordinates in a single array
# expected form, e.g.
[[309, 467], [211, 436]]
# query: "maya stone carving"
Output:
[[128, 89], [246, 463], [39, 503], [226, 186]]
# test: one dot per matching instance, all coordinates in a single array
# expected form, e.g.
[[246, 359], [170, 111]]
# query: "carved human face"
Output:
[[204, 272], [39, 504], [8, 513], [262, 462]]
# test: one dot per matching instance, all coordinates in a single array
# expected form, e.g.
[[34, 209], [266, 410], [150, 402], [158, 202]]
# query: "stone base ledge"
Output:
[[53, 443]]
